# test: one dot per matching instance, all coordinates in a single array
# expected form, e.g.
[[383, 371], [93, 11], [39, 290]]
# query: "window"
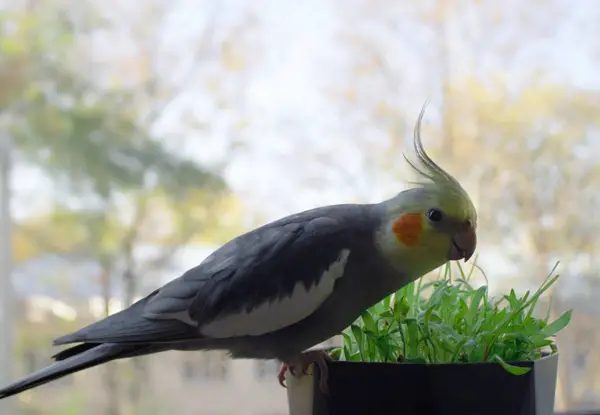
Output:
[[266, 370], [206, 366]]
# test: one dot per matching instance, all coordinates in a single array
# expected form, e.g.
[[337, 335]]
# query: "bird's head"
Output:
[[431, 224]]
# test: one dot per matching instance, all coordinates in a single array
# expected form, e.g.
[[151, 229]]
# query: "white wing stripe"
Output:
[[275, 315]]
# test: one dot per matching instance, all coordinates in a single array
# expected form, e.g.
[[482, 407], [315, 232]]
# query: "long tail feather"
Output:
[[74, 360], [130, 326]]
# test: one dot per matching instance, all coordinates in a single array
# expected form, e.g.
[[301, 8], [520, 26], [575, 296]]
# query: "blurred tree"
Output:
[[160, 78], [83, 135], [542, 173], [523, 149], [99, 139], [119, 238]]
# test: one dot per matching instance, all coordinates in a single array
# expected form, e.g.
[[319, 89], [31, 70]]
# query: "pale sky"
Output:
[[291, 116], [288, 109]]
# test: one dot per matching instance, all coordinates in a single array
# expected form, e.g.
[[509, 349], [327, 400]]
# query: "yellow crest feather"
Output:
[[428, 169], [439, 179]]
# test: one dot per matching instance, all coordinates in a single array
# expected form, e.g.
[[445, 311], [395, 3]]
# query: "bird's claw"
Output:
[[305, 360], [281, 375]]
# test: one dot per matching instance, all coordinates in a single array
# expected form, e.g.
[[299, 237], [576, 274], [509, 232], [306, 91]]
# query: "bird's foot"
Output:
[[303, 361]]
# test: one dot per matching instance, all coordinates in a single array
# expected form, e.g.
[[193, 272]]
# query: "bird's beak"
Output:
[[463, 244]]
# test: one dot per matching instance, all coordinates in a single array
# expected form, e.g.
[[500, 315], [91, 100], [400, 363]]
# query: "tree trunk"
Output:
[[6, 300], [130, 287], [564, 394], [134, 388], [112, 389], [110, 369], [445, 75]]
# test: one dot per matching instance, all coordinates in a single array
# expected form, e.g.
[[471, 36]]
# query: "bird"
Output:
[[278, 290]]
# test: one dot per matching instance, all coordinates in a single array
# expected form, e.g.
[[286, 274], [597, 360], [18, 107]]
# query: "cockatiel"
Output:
[[276, 291]]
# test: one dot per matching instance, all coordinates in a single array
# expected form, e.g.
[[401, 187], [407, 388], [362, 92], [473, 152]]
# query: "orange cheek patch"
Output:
[[408, 228]]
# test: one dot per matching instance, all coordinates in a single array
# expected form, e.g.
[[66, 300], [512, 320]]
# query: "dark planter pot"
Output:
[[415, 389]]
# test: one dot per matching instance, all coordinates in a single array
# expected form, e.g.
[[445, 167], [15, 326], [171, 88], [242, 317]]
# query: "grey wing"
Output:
[[263, 281]]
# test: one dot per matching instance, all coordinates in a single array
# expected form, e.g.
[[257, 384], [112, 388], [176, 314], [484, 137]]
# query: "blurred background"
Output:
[[136, 137]]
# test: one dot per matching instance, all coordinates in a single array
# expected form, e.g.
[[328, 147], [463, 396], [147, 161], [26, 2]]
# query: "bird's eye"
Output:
[[435, 215]]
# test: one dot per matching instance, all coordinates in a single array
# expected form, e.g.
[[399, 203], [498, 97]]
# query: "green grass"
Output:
[[454, 323]]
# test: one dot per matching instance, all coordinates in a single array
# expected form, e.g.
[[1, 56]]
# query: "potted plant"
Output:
[[441, 348]]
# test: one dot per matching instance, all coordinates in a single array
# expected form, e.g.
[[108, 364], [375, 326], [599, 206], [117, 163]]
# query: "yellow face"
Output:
[[429, 229]]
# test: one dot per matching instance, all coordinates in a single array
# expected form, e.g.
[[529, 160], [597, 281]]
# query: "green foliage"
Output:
[[455, 323], [101, 145], [65, 121]]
